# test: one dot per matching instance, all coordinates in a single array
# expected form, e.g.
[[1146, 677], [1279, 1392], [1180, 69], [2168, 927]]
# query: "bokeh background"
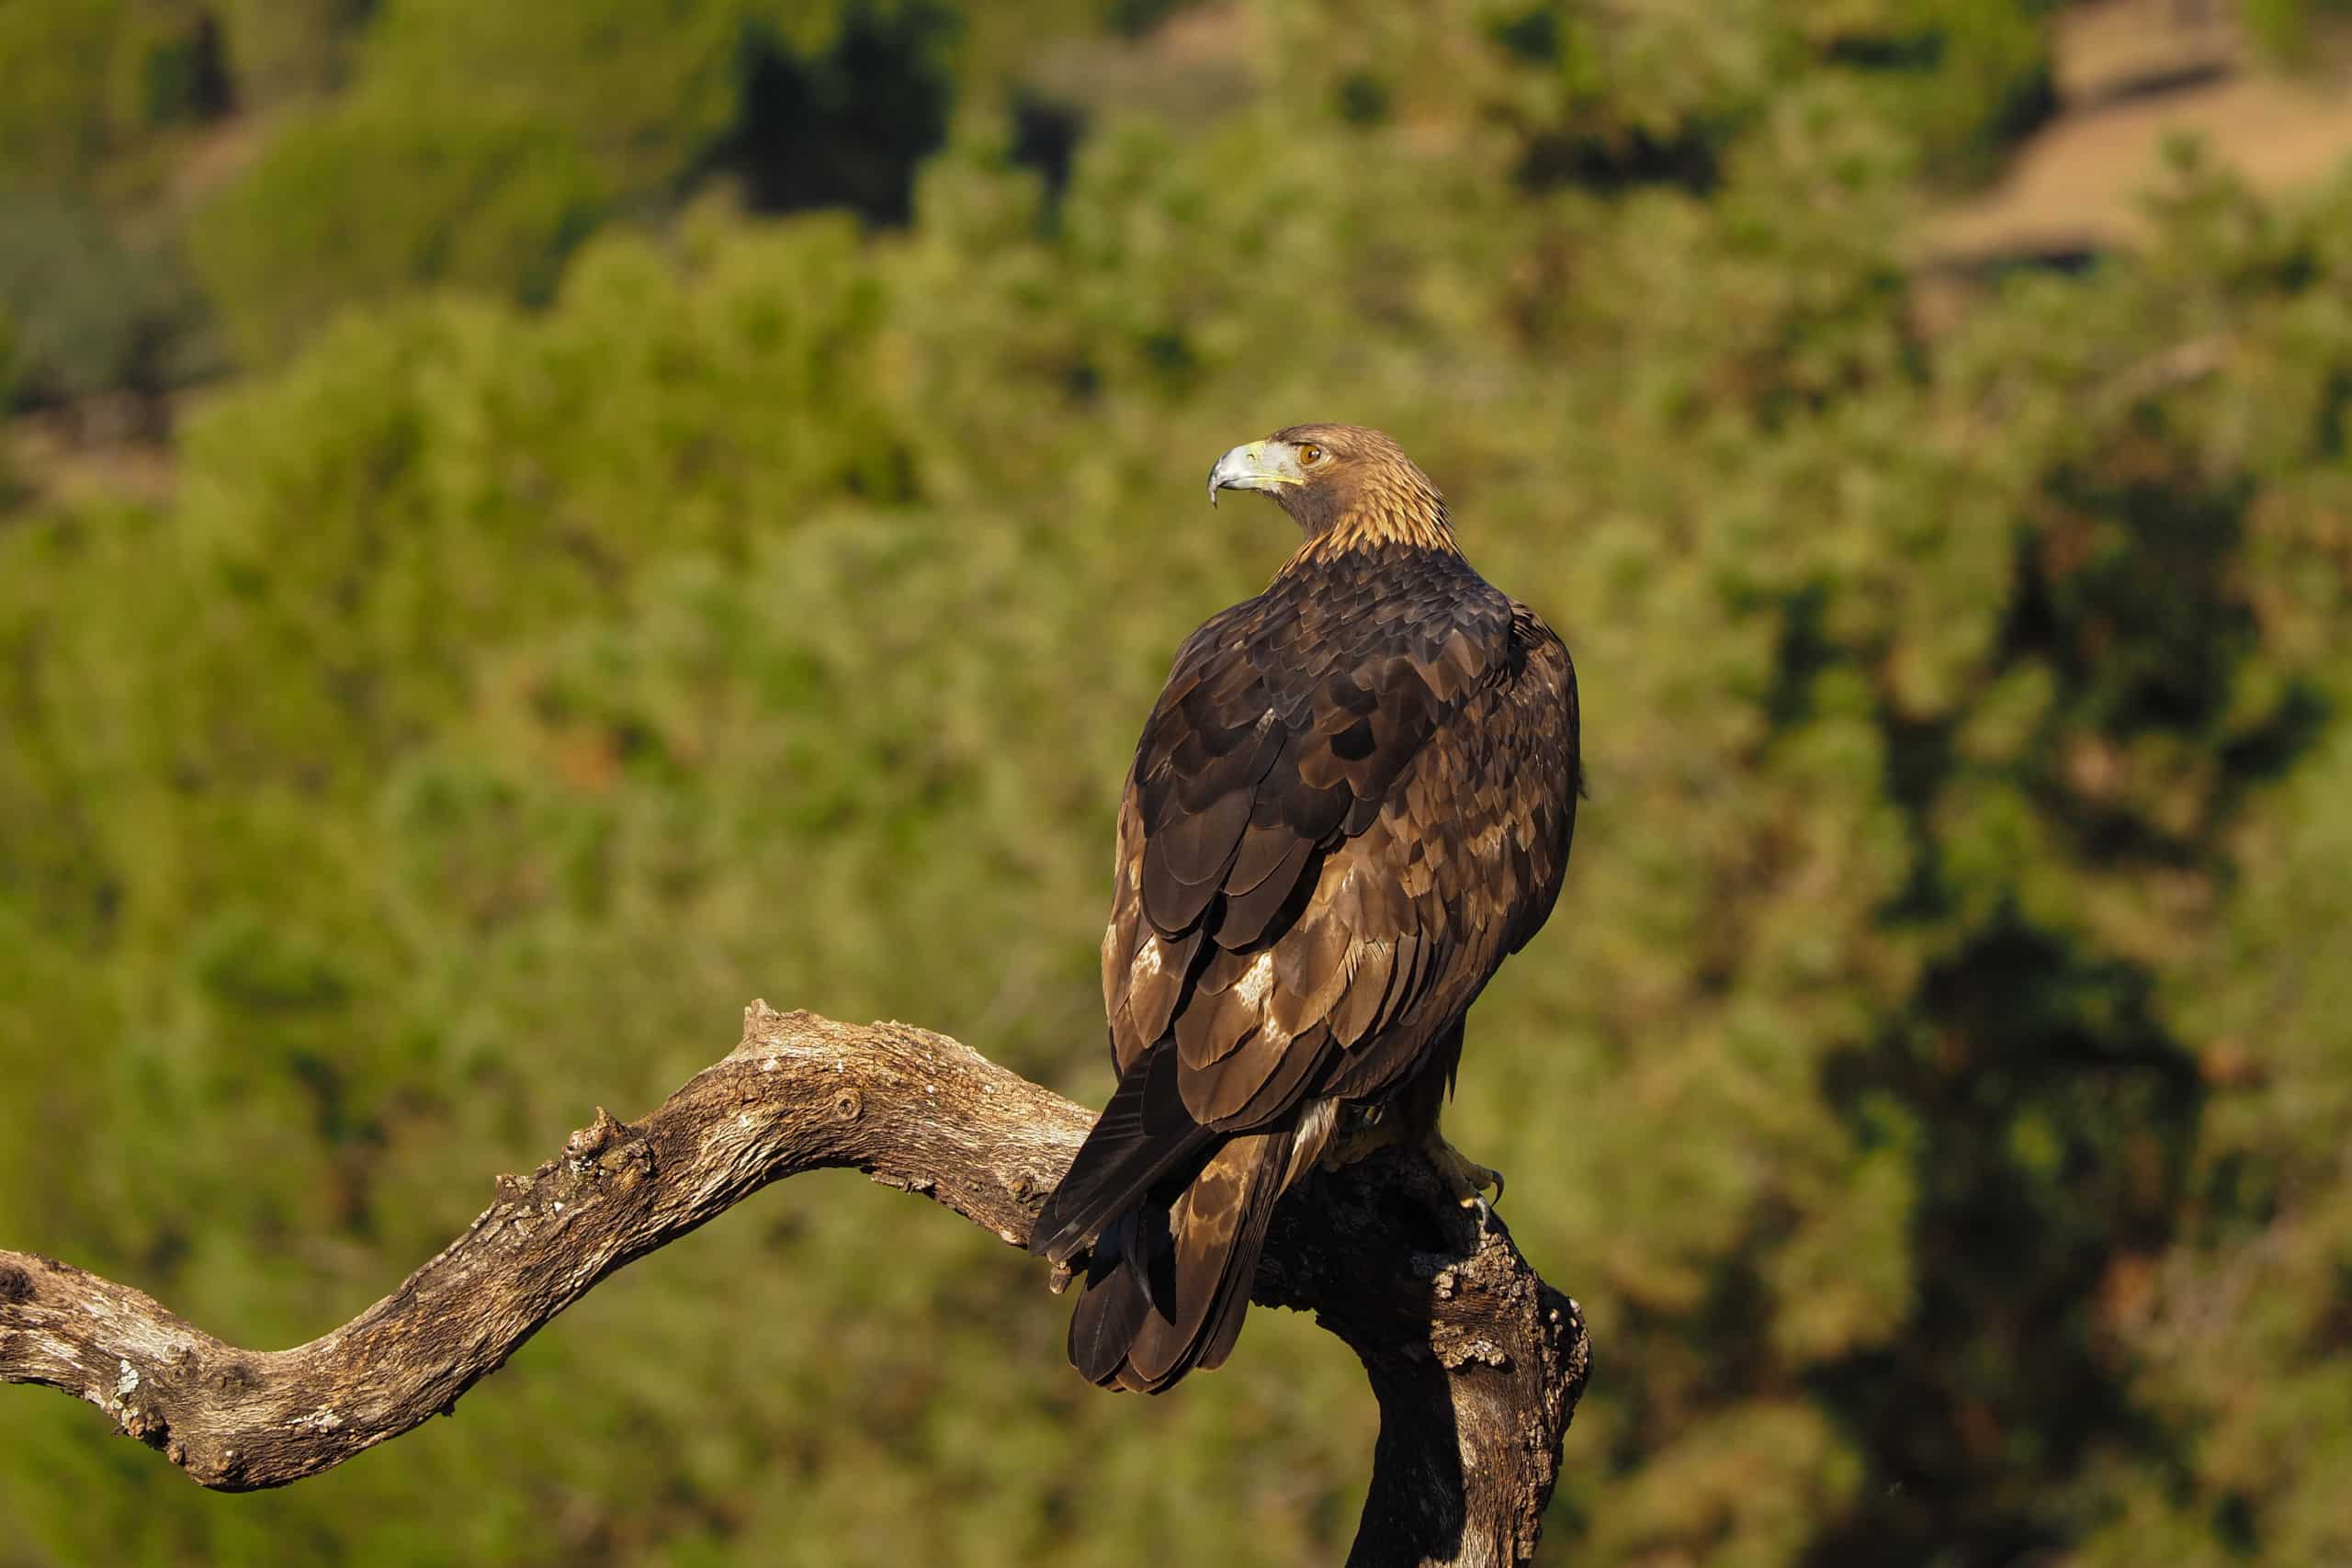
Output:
[[526, 525]]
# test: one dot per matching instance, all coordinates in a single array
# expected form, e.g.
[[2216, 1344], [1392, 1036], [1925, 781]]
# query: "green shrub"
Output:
[[1968, 80], [361, 207], [2287, 32], [1657, 95], [92, 314], [90, 78], [279, 50], [64, 106], [805, 104], [644, 91]]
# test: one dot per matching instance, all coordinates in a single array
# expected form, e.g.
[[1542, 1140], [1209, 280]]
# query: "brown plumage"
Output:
[[1354, 798]]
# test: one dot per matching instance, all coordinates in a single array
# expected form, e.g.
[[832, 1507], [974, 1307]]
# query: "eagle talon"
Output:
[[1464, 1178]]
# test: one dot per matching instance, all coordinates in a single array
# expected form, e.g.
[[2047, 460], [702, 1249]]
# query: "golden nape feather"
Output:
[[1352, 800]]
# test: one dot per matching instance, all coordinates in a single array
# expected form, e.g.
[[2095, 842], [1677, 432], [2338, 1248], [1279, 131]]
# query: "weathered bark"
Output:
[[1475, 1361]]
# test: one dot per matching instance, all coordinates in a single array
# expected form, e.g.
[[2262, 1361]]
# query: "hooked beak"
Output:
[[1259, 465]]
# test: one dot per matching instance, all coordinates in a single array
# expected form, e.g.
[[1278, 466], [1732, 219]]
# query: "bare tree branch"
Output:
[[1477, 1362]]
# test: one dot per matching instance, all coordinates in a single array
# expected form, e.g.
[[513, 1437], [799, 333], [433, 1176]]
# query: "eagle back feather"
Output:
[[1354, 798]]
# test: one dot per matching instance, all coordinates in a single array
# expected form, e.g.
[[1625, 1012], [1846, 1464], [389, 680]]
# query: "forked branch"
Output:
[[1477, 1362]]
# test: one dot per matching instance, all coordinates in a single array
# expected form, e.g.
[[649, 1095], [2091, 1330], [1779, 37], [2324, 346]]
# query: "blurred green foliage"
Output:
[[567, 112], [96, 313], [90, 79], [2289, 31], [9, 497], [1933, 1084], [376, 204]]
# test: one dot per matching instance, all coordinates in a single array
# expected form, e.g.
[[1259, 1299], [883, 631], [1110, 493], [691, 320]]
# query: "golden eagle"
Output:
[[1354, 798]]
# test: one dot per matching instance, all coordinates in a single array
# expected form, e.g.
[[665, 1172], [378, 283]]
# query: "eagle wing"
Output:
[[1339, 818]]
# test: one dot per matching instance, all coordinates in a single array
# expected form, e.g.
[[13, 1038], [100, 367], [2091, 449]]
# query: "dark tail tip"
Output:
[[1165, 1296]]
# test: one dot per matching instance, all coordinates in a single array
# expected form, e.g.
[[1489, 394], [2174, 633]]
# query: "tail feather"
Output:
[[1141, 1136], [1173, 1215], [1112, 1310], [1169, 1280], [1218, 1227]]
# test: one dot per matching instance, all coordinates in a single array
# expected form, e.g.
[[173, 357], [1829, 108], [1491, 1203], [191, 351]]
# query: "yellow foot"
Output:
[[1462, 1175]]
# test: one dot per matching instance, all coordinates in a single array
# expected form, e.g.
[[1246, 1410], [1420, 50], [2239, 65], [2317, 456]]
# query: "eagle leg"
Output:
[[1408, 1119], [1463, 1178], [1364, 1131]]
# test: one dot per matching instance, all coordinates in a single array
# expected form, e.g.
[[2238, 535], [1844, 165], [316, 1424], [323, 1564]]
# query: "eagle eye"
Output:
[[1310, 454]]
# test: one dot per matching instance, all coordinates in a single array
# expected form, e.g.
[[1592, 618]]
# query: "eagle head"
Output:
[[1342, 484]]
